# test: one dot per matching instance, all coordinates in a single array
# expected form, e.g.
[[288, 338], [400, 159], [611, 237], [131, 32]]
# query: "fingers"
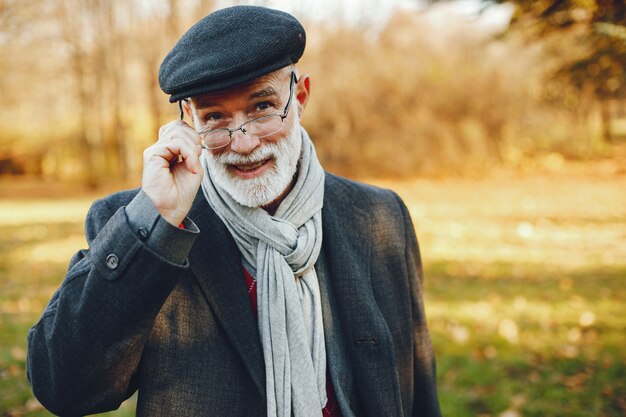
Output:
[[178, 142], [166, 153], [170, 185], [178, 129]]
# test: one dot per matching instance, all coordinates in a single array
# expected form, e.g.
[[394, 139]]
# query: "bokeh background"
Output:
[[501, 124]]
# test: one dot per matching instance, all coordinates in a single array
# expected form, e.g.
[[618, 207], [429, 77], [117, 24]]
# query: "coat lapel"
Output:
[[346, 229], [216, 265]]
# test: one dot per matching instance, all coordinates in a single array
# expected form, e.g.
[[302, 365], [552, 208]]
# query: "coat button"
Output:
[[112, 261], [142, 233]]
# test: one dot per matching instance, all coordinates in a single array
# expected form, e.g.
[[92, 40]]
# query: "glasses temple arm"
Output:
[[293, 81]]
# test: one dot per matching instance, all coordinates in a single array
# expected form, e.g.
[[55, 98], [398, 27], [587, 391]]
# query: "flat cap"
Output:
[[229, 47]]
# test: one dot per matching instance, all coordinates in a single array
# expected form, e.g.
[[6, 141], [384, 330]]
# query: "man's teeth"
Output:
[[250, 167]]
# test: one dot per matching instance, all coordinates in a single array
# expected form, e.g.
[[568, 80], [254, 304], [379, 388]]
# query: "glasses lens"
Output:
[[264, 126], [215, 139]]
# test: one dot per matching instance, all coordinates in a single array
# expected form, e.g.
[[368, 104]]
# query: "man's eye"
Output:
[[213, 117], [264, 106]]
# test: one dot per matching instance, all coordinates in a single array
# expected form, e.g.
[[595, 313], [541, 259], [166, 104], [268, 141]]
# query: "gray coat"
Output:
[[185, 336]]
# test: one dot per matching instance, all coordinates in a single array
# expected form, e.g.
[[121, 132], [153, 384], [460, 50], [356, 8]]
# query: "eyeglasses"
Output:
[[258, 127]]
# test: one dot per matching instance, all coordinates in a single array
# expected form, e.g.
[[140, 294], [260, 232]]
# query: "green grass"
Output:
[[517, 343], [525, 292]]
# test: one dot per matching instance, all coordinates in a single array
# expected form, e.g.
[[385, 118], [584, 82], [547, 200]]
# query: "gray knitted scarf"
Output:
[[283, 249]]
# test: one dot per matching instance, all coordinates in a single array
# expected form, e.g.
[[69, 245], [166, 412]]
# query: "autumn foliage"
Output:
[[412, 97]]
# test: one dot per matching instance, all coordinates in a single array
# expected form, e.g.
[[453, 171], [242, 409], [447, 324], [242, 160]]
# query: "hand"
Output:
[[172, 185]]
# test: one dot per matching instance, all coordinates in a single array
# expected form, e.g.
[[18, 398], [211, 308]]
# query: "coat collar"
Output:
[[216, 264]]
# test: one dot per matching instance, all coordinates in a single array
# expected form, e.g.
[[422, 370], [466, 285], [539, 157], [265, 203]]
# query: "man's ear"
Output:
[[303, 89], [187, 108]]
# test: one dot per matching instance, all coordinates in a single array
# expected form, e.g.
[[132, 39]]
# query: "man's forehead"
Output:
[[266, 85]]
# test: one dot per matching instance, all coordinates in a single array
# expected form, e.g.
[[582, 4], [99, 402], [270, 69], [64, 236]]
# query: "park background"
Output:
[[501, 124]]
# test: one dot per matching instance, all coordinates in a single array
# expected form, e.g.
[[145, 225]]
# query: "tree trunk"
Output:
[[116, 67], [86, 151], [605, 112], [69, 16], [153, 93]]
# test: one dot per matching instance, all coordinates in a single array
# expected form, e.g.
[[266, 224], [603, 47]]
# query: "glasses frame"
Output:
[[293, 80]]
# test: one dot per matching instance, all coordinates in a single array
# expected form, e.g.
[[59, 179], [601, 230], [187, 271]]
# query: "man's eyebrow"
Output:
[[204, 104], [266, 92]]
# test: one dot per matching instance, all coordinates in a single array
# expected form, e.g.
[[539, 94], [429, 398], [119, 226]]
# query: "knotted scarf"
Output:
[[283, 249]]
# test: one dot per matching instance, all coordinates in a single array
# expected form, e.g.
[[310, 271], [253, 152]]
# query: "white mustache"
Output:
[[258, 155]]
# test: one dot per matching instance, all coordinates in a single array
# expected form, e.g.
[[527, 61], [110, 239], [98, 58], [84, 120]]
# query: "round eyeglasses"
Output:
[[258, 127]]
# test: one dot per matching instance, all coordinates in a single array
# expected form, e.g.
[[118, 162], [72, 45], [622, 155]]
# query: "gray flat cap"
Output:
[[229, 47]]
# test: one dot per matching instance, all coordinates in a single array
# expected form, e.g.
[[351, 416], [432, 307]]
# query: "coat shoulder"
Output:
[[365, 196]]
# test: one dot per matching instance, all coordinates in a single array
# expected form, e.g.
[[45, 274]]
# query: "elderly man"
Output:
[[240, 280]]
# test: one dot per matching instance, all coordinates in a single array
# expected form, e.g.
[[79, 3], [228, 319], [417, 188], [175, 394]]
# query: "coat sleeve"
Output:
[[84, 351], [425, 398]]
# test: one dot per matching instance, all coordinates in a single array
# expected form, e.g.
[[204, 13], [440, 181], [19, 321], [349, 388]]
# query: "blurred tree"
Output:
[[15, 18], [595, 27], [98, 58], [93, 33], [156, 32], [80, 95], [73, 18]]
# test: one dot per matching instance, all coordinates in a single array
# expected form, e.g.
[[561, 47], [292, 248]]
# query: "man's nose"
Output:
[[243, 142]]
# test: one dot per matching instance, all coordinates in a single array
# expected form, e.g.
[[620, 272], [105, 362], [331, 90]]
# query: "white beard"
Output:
[[267, 187]]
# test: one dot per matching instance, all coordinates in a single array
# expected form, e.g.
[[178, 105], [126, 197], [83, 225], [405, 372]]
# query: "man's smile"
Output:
[[250, 170]]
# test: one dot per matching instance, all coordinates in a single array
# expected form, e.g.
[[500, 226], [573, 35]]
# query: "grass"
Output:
[[37, 238], [525, 291]]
